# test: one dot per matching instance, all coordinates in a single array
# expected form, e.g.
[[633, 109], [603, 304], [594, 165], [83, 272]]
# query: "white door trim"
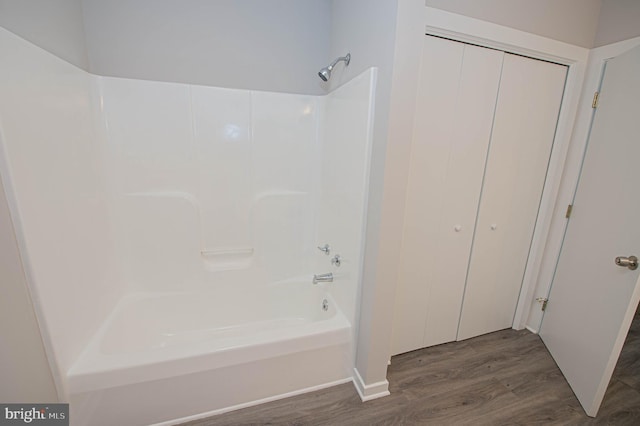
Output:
[[474, 31], [572, 168]]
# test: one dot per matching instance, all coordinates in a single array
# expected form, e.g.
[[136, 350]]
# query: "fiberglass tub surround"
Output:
[[170, 233], [211, 179]]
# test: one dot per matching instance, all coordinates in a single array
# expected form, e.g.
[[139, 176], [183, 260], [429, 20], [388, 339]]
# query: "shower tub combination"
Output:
[[169, 235]]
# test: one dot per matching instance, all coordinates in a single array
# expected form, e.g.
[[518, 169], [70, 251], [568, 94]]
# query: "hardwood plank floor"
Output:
[[506, 377]]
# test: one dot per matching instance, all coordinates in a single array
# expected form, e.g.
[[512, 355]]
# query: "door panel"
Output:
[[523, 132], [592, 300], [457, 92]]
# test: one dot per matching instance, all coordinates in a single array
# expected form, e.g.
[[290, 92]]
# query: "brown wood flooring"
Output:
[[502, 378]]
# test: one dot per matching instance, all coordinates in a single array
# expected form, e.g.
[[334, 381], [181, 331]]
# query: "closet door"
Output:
[[523, 132], [454, 113]]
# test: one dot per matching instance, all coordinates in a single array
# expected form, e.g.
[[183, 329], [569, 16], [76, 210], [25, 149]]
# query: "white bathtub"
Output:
[[177, 356]]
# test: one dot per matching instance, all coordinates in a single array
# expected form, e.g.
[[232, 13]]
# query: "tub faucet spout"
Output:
[[323, 278]]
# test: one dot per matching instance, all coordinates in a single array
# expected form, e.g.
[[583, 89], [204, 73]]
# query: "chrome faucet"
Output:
[[323, 278]]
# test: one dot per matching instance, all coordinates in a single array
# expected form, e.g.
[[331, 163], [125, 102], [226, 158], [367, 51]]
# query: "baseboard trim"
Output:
[[253, 403], [371, 391]]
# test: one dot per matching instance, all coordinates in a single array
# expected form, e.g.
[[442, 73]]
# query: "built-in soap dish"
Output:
[[227, 258]]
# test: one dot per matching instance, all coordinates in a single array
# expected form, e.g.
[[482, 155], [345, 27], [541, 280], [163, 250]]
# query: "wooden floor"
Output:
[[507, 377]]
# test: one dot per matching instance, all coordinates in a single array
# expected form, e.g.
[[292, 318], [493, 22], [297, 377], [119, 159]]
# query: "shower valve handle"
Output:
[[325, 248]]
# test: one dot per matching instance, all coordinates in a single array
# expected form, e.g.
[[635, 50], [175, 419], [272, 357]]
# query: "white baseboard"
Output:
[[534, 331], [371, 391], [253, 403]]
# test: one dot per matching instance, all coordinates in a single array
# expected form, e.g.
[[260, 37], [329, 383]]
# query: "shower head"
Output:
[[325, 73]]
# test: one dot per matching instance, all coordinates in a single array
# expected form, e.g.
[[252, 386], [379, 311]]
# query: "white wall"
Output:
[[619, 20], [367, 30], [24, 369], [408, 55], [53, 178], [570, 21], [55, 26], [276, 45]]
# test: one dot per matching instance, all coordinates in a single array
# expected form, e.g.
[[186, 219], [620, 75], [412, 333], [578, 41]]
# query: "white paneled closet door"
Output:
[[483, 133], [523, 132], [454, 114]]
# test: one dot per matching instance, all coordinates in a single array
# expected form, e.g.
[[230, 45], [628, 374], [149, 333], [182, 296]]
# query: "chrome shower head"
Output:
[[325, 73]]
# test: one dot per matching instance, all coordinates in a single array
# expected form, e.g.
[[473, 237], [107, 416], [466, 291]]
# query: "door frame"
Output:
[[469, 30], [573, 167]]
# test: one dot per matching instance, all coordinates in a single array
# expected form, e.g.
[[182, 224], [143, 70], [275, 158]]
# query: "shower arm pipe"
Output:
[[346, 60]]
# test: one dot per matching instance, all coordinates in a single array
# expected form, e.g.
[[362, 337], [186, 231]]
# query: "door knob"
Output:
[[630, 262]]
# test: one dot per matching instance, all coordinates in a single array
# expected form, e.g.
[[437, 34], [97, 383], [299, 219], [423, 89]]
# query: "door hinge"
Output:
[[544, 301], [594, 104], [569, 209]]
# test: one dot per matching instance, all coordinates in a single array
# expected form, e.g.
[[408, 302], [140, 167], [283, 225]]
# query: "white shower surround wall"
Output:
[[52, 167], [113, 184]]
